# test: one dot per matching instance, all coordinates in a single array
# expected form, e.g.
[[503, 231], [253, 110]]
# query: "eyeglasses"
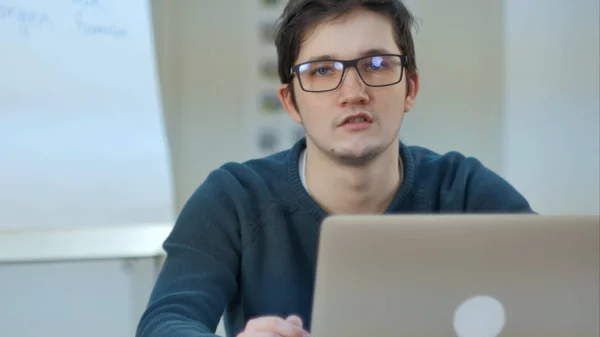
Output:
[[327, 75]]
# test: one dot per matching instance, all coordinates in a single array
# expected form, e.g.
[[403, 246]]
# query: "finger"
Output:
[[276, 325], [297, 321], [259, 334], [261, 323]]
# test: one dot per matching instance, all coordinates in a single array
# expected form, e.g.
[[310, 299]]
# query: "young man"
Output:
[[246, 241]]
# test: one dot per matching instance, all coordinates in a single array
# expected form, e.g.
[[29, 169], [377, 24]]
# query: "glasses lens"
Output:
[[381, 70], [374, 70], [320, 75]]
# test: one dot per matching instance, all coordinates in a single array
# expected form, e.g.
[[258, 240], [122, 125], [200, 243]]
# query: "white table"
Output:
[[65, 244], [97, 243]]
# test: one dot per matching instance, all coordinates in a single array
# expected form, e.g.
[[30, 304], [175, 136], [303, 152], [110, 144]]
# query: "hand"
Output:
[[271, 326]]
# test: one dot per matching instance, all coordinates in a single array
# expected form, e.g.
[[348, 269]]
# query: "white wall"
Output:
[[460, 105], [551, 143], [204, 69]]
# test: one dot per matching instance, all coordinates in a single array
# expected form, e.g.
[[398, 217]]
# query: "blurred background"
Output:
[[113, 112]]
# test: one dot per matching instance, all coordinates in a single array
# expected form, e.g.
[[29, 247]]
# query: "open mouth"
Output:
[[357, 119]]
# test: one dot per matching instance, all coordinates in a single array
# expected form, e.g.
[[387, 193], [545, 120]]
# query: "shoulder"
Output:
[[448, 166], [463, 182], [261, 178], [232, 196], [241, 187], [272, 167]]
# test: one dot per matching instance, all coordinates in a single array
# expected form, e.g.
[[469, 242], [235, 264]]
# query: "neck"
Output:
[[342, 189]]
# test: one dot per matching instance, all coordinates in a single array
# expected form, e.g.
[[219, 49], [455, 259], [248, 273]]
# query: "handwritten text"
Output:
[[90, 18], [27, 19], [101, 22]]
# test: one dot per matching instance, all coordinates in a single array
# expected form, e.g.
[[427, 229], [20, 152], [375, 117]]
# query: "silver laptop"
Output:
[[458, 276]]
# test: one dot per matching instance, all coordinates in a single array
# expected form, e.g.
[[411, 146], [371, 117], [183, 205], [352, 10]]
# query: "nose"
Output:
[[352, 89]]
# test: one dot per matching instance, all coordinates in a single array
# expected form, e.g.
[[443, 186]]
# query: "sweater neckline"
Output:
[[310, 205]]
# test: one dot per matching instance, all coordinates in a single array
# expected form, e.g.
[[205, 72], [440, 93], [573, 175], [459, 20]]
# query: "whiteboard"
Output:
[[82, 138]]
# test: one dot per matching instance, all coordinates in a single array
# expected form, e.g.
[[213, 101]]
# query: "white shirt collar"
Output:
[[302, 168]]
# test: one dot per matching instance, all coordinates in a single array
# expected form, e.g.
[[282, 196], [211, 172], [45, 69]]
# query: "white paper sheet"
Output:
[[82, 140]]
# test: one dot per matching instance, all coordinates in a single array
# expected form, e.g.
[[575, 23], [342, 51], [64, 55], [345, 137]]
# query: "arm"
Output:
[[198, 277]]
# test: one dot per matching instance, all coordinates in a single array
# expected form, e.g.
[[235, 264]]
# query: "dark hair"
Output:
[[300, 18]]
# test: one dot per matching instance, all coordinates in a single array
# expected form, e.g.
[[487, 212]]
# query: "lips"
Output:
[[357, 118]]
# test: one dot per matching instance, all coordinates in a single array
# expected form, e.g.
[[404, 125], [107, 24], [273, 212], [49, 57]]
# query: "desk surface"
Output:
[[136, 241]]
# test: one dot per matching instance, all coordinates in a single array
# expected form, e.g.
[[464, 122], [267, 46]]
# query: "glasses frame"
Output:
[[349, 64]]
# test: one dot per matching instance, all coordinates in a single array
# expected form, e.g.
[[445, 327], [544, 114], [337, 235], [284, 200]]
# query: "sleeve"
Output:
[[488, 192], [199, 275]]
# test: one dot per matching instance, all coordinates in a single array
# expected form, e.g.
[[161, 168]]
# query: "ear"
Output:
[[413, 90], [285, 97]]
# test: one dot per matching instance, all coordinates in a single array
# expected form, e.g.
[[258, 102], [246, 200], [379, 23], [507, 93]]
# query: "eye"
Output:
[[376, 63], [326, 68], [321, 71], [321, 68]]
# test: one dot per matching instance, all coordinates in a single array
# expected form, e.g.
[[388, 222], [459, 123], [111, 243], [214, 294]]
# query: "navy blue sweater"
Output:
[[246, 241]]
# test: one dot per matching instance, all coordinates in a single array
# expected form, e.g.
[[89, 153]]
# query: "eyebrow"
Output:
[[374, 51]]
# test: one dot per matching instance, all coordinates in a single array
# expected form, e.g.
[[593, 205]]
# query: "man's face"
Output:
[[323, 114]]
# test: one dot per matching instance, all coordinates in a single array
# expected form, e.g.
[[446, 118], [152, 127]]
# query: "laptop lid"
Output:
[[458, 275]]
